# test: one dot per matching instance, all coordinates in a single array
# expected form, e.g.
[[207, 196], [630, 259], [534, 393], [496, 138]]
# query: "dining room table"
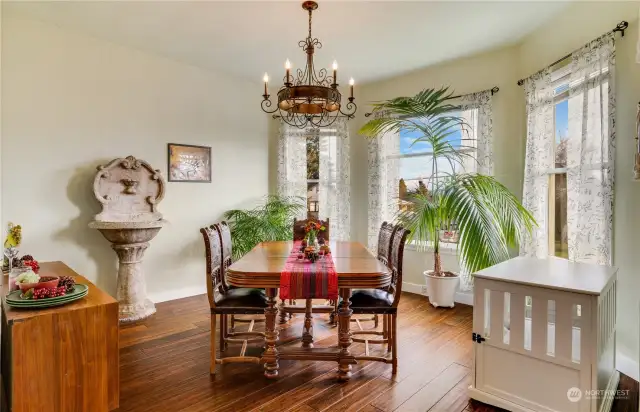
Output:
[[356, 268]]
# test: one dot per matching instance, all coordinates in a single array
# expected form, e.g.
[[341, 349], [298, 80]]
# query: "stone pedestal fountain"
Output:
[[129, 190]]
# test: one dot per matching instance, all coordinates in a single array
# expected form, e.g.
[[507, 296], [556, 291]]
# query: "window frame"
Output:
[[466, 149], [559, 78], [445, 248]]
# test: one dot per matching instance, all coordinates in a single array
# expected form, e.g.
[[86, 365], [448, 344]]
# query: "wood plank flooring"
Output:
[[165, 367]]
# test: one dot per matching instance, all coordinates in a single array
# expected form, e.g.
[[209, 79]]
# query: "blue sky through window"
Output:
[[408, 137], [415, 169], [562, 121]]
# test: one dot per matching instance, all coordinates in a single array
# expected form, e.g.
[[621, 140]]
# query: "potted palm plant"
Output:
[[476, 210], [271, 220]]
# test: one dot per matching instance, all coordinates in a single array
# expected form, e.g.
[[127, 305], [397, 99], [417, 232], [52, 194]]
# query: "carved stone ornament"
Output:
[[129, 190]]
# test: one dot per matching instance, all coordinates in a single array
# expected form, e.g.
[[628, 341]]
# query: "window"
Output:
[[417, 173], [313, 176], [558, 240]]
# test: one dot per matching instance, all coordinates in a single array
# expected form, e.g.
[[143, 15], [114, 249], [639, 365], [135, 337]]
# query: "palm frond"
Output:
[[270, 221], [489, 218]]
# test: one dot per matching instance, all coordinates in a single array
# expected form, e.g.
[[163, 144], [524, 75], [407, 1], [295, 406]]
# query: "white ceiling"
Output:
[[370, 40]]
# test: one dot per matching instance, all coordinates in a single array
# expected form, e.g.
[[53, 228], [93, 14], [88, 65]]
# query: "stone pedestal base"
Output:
[[132, 287], [133, 313]]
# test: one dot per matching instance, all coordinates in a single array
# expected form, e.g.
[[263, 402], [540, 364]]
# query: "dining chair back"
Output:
[[299, 232], [227, 245], [385, 235], [395, 264], [213, 253]]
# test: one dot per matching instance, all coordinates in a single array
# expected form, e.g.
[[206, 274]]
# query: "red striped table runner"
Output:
[[302, 279]]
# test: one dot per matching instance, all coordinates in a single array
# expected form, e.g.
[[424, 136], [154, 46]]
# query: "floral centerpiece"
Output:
[[311, 229]]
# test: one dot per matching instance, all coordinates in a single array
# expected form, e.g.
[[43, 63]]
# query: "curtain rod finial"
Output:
[[495, 90], [621, 27], [520, 82]]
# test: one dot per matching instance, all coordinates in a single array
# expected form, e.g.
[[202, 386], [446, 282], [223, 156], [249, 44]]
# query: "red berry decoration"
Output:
[[33, 264], [48, 293]]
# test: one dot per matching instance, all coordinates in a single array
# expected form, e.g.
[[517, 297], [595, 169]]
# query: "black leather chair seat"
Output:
[[241, 300], [372, 301]]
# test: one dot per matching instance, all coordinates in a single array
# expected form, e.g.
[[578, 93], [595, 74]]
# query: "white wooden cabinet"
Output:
[[544, 336]]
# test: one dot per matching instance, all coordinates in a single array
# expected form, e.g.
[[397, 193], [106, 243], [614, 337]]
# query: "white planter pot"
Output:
[[441, 290]]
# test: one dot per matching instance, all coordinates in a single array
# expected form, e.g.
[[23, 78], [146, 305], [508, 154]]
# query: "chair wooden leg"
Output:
[[385, 329], [387, 319], [394, 343], [375, 321], [233, 323], [223, 326], [212, 366], [283, 314]]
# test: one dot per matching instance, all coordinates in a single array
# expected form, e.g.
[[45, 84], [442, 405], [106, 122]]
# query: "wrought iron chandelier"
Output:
[[309, 98]]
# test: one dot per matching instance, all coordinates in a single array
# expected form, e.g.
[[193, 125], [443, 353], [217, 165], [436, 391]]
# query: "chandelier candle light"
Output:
[[311, 98]]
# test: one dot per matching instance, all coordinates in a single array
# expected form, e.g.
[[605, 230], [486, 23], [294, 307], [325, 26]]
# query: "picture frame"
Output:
[[188, 163]]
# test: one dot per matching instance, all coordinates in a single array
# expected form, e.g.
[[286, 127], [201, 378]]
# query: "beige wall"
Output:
[[581, 23], [72, 102], [463, 76]]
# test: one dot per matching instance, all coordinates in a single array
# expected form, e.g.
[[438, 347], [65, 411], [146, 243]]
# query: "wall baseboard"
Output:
[[164, 296], [465, 298]]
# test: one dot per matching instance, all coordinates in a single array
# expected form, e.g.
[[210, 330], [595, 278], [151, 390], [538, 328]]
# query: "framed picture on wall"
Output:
[[189, 163]]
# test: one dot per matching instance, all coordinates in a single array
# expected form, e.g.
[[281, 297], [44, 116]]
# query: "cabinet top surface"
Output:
[[553, 273], [96, 297]]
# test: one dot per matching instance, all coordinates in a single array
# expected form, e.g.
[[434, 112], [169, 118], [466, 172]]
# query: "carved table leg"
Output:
[[307, 329], [283, 314], [132, 289], [270, 354], [344, 336]]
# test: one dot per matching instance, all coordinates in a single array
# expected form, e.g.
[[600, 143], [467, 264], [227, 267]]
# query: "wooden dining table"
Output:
[[355, 266]]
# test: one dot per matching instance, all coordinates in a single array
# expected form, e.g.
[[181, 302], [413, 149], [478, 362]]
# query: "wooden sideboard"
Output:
[[63, 358]]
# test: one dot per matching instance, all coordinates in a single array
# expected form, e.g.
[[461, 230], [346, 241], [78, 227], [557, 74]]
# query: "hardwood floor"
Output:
[[165, 367]]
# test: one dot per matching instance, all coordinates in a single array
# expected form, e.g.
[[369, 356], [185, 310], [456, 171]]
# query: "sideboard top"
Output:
[[96, 297], [553, 273]]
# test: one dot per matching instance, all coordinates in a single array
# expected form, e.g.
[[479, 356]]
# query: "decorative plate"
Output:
[[14, 299]]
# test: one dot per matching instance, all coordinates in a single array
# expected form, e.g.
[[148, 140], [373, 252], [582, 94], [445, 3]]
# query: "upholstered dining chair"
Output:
[[289, 307], [385, 234], [227, 260], [225, 301], [383, 302]]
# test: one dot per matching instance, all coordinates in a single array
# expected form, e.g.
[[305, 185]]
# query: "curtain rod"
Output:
[[621, 27], [493, 91]]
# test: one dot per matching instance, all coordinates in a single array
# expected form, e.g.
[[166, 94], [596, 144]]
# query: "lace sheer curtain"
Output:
[[590, 152], [478, 112], [384, 177], [292, 162], [334, 194], [539, 160]]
